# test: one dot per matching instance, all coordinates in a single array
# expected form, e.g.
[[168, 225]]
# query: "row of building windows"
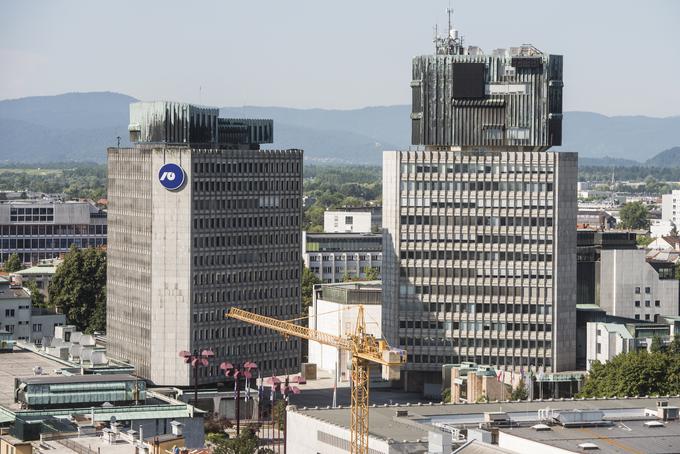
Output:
[[485, 221], [248, 184], [472, 238], [482, 167], [239, 168], [49, 243], [495, 202], [474, 342], [458, 186], [246, 258], [245, 239], [344, 257], [238, 222], [238, 296], [503, 360], [250, 203], [494, 273], [478, 308], [247, 276], [474, 255], [51, 230]]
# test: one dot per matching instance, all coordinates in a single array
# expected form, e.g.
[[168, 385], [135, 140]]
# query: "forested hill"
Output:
[[80, 126]]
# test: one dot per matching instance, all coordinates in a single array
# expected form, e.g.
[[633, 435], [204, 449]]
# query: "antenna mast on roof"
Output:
[[451, 44]]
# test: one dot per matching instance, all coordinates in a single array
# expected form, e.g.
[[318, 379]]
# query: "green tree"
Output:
[[79, 288], [13, 263], [657, 345], [634, 374], [246, 443], [279, 414], [644, 240], [37, 298], [372, 273], [446, 395], [634, 215], [309, 280], [674, 347], [520, 391]]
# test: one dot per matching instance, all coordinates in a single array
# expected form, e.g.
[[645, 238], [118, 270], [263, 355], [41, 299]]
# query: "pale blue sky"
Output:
[[621, 56]]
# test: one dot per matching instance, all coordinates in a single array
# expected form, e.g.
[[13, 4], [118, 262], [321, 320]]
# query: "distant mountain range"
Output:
[[80, 126]]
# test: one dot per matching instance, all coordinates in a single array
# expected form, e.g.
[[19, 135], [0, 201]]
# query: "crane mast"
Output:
[[365, 350]]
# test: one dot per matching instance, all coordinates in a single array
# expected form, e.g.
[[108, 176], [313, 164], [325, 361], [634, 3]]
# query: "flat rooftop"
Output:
[[623, 437], [20, 363], [415, 426]]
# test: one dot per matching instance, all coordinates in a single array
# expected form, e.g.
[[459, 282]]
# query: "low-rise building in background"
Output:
[[45, 228], [334, 257]]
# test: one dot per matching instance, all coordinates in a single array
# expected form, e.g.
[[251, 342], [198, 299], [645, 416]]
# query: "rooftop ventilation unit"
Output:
[[667, 413], [654, 424], [588, 446], [582, 418]]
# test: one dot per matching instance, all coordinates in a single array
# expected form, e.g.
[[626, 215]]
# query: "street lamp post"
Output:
[[196, 359], [246, 370]]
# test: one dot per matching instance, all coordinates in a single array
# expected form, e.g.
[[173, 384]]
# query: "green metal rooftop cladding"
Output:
[[78, 390]]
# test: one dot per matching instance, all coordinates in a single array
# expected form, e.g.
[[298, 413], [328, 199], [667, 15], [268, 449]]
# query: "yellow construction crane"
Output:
[[365, 350]]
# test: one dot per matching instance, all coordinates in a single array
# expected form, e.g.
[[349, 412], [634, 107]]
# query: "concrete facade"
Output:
[[480, 258], [178, 259], [631, 287], [347, 221]]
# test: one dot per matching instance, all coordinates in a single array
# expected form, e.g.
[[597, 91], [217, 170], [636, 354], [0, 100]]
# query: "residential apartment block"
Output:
[[479, 259], [670, 208], [20, 319], [200, 220]]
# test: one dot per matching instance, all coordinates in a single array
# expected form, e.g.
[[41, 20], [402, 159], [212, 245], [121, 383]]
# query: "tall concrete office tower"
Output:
[[479, 259], [200, 219]]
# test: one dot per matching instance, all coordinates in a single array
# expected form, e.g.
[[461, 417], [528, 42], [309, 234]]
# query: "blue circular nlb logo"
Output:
[[171, 177]]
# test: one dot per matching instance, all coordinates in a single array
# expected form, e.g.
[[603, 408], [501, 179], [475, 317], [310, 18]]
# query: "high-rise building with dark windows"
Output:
[[200, 220], [479, 260]]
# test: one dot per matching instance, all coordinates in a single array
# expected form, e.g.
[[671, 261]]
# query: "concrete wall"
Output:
[[171, 271], [564, 261], [622, 273], [519, 444], [310, 435], [128, 280], [339, 320]]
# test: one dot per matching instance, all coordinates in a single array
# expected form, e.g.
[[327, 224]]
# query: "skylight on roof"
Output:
[[654, 424], [588, 446]]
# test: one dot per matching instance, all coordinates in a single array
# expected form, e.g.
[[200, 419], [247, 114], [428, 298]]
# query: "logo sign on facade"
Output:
[[171, 177]]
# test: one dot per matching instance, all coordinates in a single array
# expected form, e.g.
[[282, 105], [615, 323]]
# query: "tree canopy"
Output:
[[309, 280], [37, 298], [634, 215], [13, 263], [635, 374], [246, 443], [79, 288]]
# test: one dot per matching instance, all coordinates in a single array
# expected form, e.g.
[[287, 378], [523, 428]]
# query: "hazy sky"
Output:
[[621, 56]]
